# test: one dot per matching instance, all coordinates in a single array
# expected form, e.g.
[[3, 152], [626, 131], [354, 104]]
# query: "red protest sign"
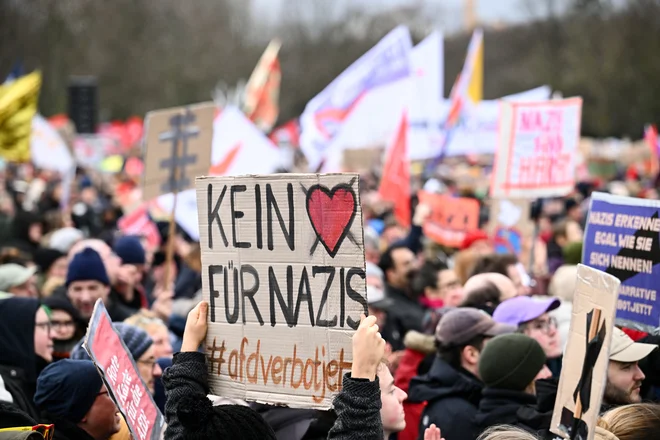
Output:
[[451, 218], [537, 149], [139, 223], [121, 377]]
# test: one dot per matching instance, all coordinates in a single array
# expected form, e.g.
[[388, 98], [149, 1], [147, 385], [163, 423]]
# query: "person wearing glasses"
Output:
[[142, 349], [532, 317], [26, 347], [66, 324], [72, 396]]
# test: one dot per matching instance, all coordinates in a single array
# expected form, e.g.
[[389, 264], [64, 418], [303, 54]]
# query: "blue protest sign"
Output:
[[621, 239]]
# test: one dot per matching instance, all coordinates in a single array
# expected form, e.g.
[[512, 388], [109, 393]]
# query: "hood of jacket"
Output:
[[21, 229], [417, 341], [443, 381], [17, 330], [499, 407]]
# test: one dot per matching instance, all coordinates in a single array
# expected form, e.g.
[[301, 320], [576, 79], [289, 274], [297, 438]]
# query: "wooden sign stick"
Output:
[[593, 329]]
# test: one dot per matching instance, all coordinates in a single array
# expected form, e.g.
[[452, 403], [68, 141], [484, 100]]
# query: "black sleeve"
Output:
[[188, 376], [358, 411]]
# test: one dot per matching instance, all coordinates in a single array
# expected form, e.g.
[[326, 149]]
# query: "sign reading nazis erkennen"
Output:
[[284, 274]]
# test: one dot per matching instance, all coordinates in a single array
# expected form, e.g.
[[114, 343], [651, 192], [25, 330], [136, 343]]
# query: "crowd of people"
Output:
[[460, 344]]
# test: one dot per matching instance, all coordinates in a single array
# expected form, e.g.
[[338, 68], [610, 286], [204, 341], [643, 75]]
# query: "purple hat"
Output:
[[521, 309]]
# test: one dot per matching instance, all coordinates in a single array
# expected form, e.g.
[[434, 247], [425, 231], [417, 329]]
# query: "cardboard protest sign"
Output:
[[121, 377], [537, 149], [621, 238], [283, 271], [363, 159], [510, 225], [451, 218], [581, 388], [178, 148]]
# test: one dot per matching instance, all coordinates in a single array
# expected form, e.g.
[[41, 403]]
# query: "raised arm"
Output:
[[186, 381], [358, 403]]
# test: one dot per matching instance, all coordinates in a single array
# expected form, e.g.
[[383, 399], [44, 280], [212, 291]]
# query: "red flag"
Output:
[[651, 137], [395, 183]]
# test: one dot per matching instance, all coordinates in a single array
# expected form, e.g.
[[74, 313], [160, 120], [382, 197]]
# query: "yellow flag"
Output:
[[18, 105], [476, 84]]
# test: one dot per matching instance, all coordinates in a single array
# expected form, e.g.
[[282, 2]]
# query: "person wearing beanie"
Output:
[[120, 305], [189, 413], [452, 388], [130, 250], [86, 282], [71, 395], [139, 344], [508, 367]]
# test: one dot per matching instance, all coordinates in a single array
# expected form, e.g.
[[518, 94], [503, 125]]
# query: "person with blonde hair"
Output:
[[155, 327], [639, 421], [506, 432]]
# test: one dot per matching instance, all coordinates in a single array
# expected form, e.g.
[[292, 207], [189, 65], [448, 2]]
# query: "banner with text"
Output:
[[537, 149], [122, 378], [451, 218], [621, 238], [284, 274]]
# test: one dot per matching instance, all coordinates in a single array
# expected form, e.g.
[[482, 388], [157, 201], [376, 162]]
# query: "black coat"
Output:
[[403, 315], [18, 362], [288, 423], [452, 399], [65, 430], [500, 407]]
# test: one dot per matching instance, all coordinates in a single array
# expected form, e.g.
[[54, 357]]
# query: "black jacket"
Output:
[[452, 399], [403, 315], [18, 362], [500, 407], [288, 423], [65, 430], [358, 411]]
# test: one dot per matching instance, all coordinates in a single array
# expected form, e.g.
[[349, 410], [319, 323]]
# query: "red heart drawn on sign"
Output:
[[331, 213]]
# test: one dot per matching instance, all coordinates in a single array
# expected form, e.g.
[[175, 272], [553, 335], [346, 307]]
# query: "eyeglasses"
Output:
[[544, 326], [46, 430], [61, 324], [151, 364], [44, 325]]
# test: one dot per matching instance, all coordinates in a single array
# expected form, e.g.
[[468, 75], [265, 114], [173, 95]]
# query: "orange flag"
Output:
[[263, 89], [395, 182]]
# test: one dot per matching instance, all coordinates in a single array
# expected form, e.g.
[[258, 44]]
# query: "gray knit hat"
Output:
[[510, 362], [137, 341]]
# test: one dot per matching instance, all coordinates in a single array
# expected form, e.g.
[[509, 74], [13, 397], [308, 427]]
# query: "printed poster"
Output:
[[122, 378], [451, 218], [621, 238]]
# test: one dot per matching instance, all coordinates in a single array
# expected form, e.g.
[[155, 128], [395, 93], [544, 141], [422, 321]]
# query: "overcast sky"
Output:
[[488, 11]]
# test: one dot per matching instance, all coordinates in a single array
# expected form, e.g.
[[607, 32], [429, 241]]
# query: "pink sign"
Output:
[[537, 151], [121, 377], [139, 223]]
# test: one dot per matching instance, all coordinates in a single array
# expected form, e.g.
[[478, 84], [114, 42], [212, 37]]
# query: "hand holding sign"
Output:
[[368, 349], [196, 327]]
